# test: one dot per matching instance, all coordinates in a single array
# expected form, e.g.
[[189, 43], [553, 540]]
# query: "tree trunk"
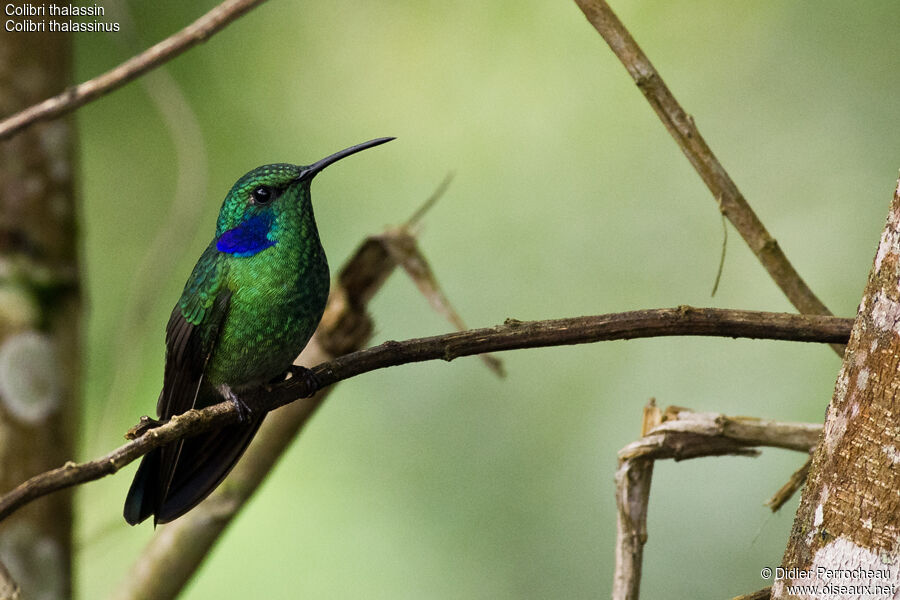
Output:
[[846, 536], [39, 313]]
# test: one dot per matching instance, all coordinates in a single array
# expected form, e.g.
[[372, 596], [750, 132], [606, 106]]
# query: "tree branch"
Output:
[[683, 129], [787, 491], [511, 335], [732, 204], [682, 434], [9, 589], [74, 97]]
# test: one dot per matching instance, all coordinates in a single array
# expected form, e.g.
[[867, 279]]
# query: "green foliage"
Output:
[[439, 481]]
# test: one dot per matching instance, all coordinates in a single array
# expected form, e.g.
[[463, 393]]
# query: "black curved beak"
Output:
[[313, 169]]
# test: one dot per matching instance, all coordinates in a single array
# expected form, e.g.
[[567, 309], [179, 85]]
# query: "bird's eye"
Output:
[[262, 195]]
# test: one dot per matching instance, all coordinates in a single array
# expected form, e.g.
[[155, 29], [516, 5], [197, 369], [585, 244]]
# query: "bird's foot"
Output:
[[308, 378], [143, 426], [244, 411]]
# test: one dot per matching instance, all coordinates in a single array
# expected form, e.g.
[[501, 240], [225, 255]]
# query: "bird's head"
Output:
[[258, 198]]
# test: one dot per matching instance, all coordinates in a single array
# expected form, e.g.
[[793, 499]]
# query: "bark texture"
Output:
[[39, 313], [847, 529]]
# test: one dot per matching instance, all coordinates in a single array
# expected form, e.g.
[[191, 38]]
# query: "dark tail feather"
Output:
[[141, 498], [202, 464]]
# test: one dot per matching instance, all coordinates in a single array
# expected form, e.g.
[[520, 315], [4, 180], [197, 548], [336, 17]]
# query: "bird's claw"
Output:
[[307, 376], [244, 411], [144, 425]]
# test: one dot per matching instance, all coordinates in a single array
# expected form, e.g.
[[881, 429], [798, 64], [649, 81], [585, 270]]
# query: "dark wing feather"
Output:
[[192, 332], [187, 351], [188, 348], [190, 339]]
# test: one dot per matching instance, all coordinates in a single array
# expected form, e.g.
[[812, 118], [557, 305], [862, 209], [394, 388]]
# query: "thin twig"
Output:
[[682, 127], [763, 594], [402, 247], [511, 335], [74, 97], [692, 434], [721, 256], [683, 434], [404, 250], [9, 589], [429, 203], [684, 130], [787, 491]]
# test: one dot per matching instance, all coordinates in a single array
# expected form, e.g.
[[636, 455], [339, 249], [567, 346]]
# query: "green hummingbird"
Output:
[[251, 304]]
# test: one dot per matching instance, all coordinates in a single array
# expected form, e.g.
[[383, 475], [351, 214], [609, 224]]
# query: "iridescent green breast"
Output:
[[278, 296]]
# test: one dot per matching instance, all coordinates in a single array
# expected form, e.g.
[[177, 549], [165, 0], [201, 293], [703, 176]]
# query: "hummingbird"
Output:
[[248, 309]]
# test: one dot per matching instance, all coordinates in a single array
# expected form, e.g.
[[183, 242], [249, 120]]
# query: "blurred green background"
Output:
[[439, 480]]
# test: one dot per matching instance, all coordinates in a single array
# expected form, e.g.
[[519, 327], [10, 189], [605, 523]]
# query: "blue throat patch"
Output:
[[248, 238]]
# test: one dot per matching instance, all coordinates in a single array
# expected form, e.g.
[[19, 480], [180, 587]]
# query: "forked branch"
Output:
[[681, 434]]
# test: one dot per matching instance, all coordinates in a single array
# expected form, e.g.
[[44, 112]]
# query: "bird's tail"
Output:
[[141, 500], [171, 480]]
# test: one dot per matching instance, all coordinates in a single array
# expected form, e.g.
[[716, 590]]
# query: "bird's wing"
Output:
[[190, 339], [192, 333]]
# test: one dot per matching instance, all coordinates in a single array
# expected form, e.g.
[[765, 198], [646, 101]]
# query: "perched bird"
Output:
[[249, 307]]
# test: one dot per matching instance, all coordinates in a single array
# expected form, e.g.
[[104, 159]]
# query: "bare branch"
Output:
[[683, 434], [9, 589], [413, 222], [402, 247], [511, 335], [787, 491], [682, 127], [74, 97], [763, 594], [633, 479]]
